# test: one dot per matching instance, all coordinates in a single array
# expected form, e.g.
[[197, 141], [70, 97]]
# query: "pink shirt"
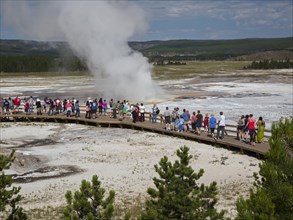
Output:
[[251, 123]]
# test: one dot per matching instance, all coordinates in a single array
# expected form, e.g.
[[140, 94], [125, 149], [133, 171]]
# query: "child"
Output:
[[205, 123]]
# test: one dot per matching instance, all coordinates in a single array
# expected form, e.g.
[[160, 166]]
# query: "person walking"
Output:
[[221, 126]]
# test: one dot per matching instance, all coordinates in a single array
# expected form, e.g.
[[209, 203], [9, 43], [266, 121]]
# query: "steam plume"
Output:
[[99, 32]]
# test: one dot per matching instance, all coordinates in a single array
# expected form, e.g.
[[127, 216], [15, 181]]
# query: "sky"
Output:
[[165, 20]]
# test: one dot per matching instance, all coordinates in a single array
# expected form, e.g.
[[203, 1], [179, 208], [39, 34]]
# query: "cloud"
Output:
[[262, 13]]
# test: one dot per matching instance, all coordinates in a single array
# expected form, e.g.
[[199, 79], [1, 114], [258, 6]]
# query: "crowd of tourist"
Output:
[[248, 129]]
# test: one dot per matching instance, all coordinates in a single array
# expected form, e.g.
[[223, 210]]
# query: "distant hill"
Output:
[[194, 49]]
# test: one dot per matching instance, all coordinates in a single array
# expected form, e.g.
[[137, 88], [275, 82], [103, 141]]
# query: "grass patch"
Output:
[[197, 67]]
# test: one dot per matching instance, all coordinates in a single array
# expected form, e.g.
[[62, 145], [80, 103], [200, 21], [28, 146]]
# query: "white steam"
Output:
[[98, 31]]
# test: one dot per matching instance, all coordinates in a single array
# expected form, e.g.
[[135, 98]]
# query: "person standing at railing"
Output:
[[142, 111], [251, 129], [167, 118], [199, 119], [221, 126], [212, 124], [100, 106], [206, 123], [68, 108], [39, 106], [6, 106], [105, 106], [88, 109], [260, 130], [240, 127], [111, 107], [114, 110], [26, 106], [185, 115], [31, 105], [155, 110], [77, 109], [16, 103], [94, 106]]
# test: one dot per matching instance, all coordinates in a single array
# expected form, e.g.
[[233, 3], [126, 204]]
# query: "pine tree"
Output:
[[88, 203], [177, 194], [9, 195], [273, 197]]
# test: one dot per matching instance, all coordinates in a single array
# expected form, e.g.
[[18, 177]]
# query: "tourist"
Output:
[[155, 112], [68, 108], [181, 124], [120, 109], [199, 119], [94, 106], [114, 110], [46, 104], [88, 109], [260, 130], [206, 123], [100, 106], [167, 118], [212, 124], [240, 126], [26, 106], [125, 110], [142, 111], [173, 118], [16, 103], [111, 107], [6, 105], [64, 104], [245, 129], [251, 129], [105, 106], [39, 106], [133, 113], [185, 115], [193, 121], [58, 106], [73, 105], [221, 126], [31, 105], [51, 107], [77, 109]]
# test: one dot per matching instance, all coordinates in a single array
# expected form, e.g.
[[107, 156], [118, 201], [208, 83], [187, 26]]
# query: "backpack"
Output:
[[158, 111]]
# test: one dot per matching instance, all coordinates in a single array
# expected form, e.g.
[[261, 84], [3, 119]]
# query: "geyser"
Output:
[[98, 32]]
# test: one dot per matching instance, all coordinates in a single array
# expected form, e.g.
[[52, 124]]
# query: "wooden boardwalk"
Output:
[[229, 141]]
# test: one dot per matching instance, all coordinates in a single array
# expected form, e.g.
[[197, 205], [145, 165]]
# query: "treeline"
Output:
[[41, 64], [270, 64], [201, 57], [169, 62]]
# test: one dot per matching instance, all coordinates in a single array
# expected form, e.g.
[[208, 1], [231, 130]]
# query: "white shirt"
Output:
[[222, 120], [142, 109]]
